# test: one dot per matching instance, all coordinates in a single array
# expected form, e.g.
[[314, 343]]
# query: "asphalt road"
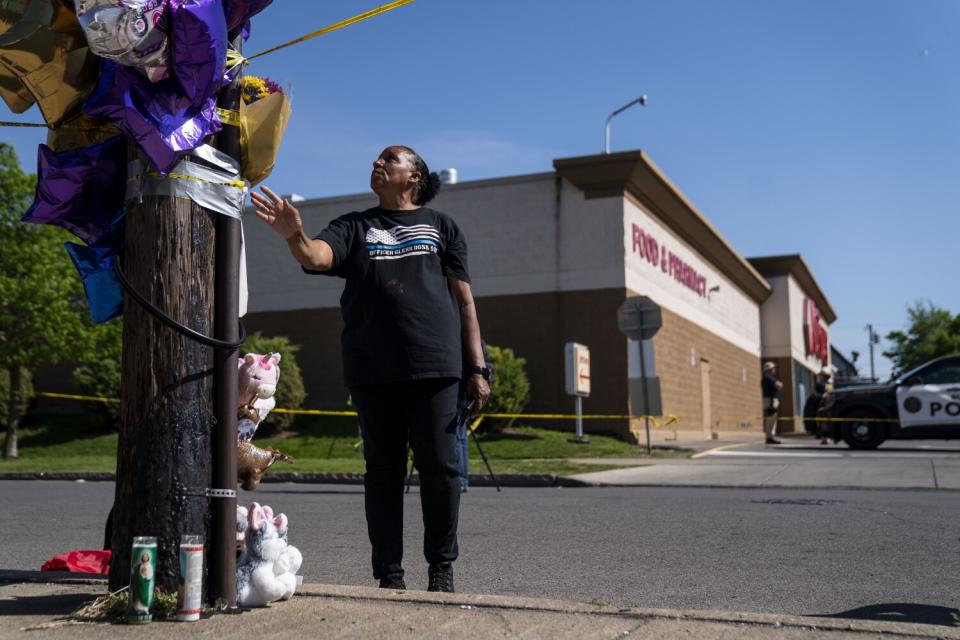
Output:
[[877, 554]]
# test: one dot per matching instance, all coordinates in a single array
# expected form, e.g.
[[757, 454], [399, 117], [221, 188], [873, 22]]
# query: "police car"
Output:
[[923, 403]]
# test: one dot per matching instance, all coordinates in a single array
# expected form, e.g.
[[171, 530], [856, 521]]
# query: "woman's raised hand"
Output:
[[282, 216]]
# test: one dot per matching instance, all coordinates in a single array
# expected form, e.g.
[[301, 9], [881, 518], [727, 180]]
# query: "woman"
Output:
[[410, 334]]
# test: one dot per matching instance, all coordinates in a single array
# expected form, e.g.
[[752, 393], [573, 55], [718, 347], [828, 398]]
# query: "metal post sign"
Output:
[[639, 318], [577, 369]]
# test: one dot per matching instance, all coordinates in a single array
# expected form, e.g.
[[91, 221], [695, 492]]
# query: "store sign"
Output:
[[814, 334], [577, 360], [658, 255]]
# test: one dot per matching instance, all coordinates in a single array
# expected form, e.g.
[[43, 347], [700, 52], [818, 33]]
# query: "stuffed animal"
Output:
[[252, 461], [289, 562], [257, 582], [258, 376], [241, 527]]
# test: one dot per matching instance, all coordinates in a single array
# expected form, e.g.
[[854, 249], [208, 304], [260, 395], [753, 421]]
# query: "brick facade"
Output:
[[734, 378], [536, 326]]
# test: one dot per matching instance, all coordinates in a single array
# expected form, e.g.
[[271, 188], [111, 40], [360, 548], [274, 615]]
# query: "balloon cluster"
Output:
[[104, 72]]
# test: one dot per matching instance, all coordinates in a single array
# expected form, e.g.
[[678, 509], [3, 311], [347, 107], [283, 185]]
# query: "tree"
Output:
[[510, 390], [932, 332], [42, 306], [98, 372]]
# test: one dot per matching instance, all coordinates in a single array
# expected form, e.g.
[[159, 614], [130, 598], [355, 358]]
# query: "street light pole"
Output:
[[642, 100], [873, 339]]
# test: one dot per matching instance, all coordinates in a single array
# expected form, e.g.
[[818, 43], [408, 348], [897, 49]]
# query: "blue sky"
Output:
[[826, 128]]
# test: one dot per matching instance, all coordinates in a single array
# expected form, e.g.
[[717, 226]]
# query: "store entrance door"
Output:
[[705, 411]]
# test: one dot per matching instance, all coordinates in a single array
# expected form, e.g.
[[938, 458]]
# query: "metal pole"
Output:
[[646, 399], [873, 377], [642, 100], [223, 559], [578, 400]]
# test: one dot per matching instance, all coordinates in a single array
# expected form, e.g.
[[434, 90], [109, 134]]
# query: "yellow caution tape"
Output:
[[476, 423], [229, 116], [315, 412], [39, 125], [333, 27], [670, 418], [234, 58], [68, 396], [558, 416], [23, 124], [236, 184]]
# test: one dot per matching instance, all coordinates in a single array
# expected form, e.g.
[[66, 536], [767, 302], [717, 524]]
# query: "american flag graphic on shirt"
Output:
[[402, 242]]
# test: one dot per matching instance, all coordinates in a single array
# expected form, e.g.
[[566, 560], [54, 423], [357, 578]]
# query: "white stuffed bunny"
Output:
[[289, 562], [257, 584], [241, 527]]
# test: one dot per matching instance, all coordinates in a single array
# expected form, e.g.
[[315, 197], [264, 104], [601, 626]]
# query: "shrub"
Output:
[[98, 374], [26, 394], [510, 391], [101, 377], [290, 392]]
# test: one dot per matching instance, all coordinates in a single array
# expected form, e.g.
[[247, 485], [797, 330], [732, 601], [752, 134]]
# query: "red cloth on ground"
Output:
[[79, 562]]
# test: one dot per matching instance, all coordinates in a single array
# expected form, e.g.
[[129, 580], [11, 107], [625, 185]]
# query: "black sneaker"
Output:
[[392, 582], [772, 441], [441, 577]]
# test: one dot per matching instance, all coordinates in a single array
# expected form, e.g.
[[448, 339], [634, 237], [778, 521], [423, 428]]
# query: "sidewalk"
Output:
[[740, 461], [328, 611]]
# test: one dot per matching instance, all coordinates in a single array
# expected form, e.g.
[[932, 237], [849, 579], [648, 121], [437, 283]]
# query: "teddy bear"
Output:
[[257, 581], [257, 379]]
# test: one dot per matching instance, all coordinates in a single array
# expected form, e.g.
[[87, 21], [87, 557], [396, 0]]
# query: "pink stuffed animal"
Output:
[[257, 380]]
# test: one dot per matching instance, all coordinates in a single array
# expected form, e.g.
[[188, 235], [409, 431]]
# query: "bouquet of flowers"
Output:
[[264, 112]]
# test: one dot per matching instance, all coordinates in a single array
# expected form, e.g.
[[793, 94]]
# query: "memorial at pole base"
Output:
[[128, 93]]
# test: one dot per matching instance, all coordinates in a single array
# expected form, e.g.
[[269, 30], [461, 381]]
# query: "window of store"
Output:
[[802, 384]]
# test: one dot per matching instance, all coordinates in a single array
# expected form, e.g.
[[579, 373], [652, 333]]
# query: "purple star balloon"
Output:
[[159, 117], [81, 190], [198, 49]]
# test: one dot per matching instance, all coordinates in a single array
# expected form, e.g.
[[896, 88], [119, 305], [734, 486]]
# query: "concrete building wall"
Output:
[[726, 312], [775, 320]]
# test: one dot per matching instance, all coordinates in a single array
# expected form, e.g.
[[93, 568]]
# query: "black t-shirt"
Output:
[[401, 319]]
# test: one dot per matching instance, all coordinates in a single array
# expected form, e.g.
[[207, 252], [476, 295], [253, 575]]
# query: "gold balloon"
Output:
[[44, 58], [80, 131], [11, 89]]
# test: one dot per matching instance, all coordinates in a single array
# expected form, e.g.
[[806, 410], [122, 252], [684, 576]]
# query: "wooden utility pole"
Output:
[[163, 453]]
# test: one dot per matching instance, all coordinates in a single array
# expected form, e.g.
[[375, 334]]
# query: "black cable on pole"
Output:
[[173, 324]]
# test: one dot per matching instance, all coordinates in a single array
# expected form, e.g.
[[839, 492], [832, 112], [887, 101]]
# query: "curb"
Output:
[[480, 601], [870, 628], [509, 480]]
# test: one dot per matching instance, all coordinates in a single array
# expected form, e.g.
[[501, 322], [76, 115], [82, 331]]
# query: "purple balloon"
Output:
[[81, 190], [164, 122], [198, 47], [239, 11]]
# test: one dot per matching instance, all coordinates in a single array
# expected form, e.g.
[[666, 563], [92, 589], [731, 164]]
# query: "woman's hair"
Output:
[[429, 185]]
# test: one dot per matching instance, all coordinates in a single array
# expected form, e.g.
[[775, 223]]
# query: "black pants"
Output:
[[423, 414]]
